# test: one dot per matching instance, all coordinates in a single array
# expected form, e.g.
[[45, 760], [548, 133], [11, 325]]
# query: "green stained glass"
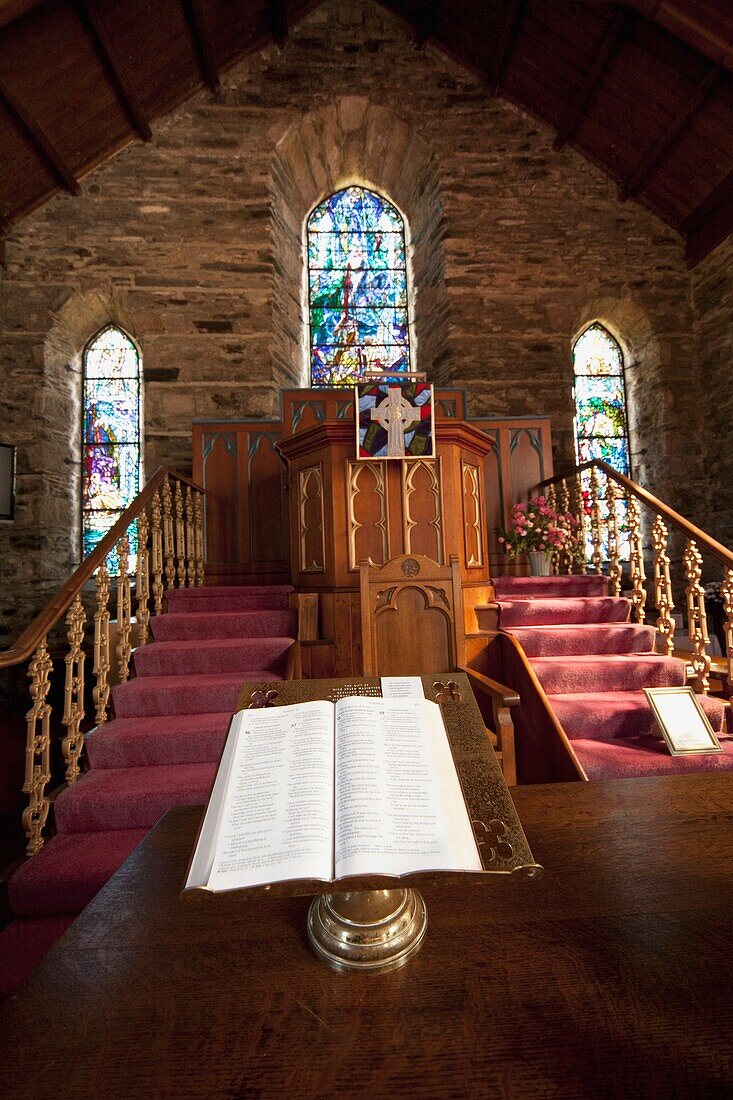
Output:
[[357, 282]]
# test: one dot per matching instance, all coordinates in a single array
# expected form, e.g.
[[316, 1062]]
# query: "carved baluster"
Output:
[[168, 543], [73, 742], [37, 752], [156, 554], [190, 540], [697, 620], [636, 560], [100, 692], [663, 585], [142, 585], [124, 611], [614, 561], [595, 522], [726, 592], [580, 559], [180, 537], [552, 503], [199, 534], [566, 555]]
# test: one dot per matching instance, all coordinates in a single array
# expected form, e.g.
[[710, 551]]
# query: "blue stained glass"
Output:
[[111, 474], [357, 289]]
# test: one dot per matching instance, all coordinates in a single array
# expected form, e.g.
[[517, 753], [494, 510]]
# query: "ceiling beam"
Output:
[[42, 145], [710, 223], [204, 46], [515, 12], [425, 22], [577, 107], [645, 168], [278, 21], [114, 68]]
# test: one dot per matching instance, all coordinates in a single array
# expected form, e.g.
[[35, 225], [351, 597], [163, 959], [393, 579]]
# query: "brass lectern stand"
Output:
[[368, 924]]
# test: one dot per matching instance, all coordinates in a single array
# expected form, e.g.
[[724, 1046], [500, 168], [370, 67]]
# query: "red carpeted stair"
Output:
[[159, 751], [592, 663]]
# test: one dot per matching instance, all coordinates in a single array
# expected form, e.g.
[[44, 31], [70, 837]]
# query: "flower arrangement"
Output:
[[535, 526]]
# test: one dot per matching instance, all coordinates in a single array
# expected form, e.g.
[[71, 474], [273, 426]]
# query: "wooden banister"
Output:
[[689, 529], [31, 637]]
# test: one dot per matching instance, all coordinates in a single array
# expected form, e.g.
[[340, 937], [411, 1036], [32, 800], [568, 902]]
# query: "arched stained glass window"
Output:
[[111, 454], [601, 422], [357, 279]]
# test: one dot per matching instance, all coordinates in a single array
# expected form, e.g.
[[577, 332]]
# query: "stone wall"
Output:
[[712, 283], [191, 243]]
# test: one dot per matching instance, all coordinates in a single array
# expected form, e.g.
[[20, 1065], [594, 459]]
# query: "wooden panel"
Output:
[[412, 637], [527, 465], [219, 477], [311, 527], [471, 483], [266, 513], [367, 505], [422, 508]]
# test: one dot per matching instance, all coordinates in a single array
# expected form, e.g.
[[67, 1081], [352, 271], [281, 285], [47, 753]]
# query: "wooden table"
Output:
[[609, 977]]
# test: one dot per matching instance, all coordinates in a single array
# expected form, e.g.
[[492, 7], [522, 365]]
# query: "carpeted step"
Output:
[[240, 598], [617, 715], [215, 656], [22, 946], [151, 695], [585, 638], [561, 612], [550, 587], [573, 675], [160, 739], [648, 757], [223, 624], [131, 798], [68, 871]]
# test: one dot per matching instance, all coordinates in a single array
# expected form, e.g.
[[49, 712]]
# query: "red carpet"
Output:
[[591, 662], [159, 751]]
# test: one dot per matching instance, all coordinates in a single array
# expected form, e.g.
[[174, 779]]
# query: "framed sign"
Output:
[[682, 721], [7, 481], [394, 420]]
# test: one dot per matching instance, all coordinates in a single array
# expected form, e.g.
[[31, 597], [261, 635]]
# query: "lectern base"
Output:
[[367, 930]]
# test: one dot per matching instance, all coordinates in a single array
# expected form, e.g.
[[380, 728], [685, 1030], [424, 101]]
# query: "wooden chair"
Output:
[[412, 625]]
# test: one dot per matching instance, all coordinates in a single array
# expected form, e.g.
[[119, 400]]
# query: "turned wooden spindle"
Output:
[[697, 620], [190, 540], [142, 584], [580, 533], [180, 536], [168, 538], [726, 593], [38, 749], [596, 536], [124, 611], [156, 553], [637, 575], [199, 533], [101, 666], [566, 554], [73, 742], [663, 585], [614, 557]]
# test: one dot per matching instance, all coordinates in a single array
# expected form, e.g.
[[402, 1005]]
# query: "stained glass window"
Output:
[[357, 278], [111, 457], [601, 426]]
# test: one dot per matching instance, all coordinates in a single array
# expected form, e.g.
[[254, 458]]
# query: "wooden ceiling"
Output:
[[643, 89]]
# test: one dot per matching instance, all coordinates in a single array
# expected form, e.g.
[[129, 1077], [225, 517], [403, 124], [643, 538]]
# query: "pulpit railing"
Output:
[[612, 510], [157, 541]]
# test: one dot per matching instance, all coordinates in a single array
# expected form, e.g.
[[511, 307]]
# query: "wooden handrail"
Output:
[[28, 641], [689, 529]]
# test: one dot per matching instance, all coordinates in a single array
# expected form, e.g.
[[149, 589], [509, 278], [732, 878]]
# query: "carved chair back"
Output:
[[411, 616]]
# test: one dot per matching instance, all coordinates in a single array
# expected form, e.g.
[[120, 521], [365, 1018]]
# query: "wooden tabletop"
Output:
[[611, 976]]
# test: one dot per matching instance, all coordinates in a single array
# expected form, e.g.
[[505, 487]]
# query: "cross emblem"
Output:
[[492, 835], [396, 415]]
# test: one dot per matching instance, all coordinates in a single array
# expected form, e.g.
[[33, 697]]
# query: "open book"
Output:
[[326, 791]]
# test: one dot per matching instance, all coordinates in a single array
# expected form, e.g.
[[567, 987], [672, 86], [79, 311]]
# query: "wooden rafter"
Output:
[[114, 68], [511, 26], [711, 222], [204, 45], [644, 169], [278, 21], [577, 107], [40, 141], [425, 22]]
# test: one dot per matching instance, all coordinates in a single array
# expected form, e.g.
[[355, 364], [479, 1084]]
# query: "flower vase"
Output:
[[540, 562]]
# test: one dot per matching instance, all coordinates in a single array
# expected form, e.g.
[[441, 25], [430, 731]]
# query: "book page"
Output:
[[399, 805], [277, 819]]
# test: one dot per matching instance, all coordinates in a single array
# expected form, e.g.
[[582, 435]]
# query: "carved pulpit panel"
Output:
[[422, 508], [310, 505], [368, 533], [472, 513], [267, 519]]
